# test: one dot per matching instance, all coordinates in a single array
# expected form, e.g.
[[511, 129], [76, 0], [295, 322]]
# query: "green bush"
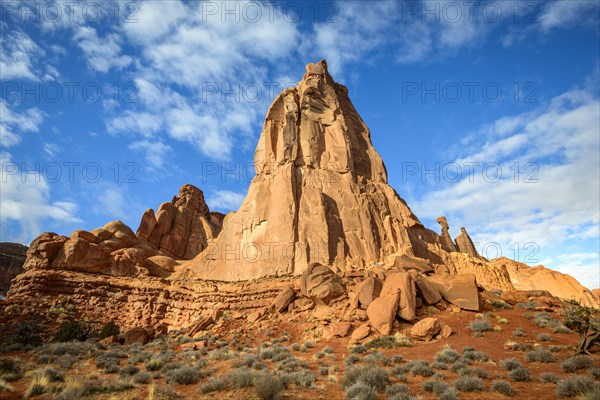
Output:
[[583, 321], [110, 329], [72, 330]]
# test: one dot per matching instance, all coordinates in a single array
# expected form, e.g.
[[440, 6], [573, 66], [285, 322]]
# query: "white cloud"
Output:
[[561, 14], [225, 200], [51, 150], [13, 124], [142, 123], [26, 200], [19, 54], [561, 140], [582, 265], [102, 54], [184, 53], [155, 152]]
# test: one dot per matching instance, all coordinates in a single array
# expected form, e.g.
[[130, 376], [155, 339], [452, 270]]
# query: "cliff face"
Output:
[[12, 258], [320, 194]]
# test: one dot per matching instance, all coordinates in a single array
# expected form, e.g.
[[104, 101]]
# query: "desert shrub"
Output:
[[527, 316], [582, 320], [469, 384], [476, 371], [474, 355], [518, 346], [439, 365], [351, 359], [510, 363], [449, 394], [109, 329], [447, 355], [371, 375], [540, 355], [520, 374], [268, 387], [480, 325], [142, 378], [328, 349], [549, 377], [575, 363], [575, 385], [358, 349], [386, 342], [396, 388], [544, 319], [562, 329], [27, 333], [544, 337], [73, 330], [324, 370], [155, 364], [420, 367], [361, 391], [53, 375], [302, 378], [111, 369], [129, 370], [309, 344], [519, 332], [595, 372], [214, 384], [501, 304], [435, 386], [182, 376], [377, 358], [530, 305], [502, 387], [295, 347], [80, 350], [458, 365], [241, 377]]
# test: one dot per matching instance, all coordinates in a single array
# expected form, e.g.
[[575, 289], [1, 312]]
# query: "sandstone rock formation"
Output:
[[182, 228], [320, 234], [524, 277], [465, 244], [320, 194], [426, 329], [12, 258], [447, 241]]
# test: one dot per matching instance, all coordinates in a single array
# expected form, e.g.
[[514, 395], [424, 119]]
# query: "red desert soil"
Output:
[[492, 343]]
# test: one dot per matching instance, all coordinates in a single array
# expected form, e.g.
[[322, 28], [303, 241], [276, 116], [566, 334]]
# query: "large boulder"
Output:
[[382, 312], [321, 284], [367, 291], [427, 291], [426, 329], [403, 284], [283, 299], [460, 290]]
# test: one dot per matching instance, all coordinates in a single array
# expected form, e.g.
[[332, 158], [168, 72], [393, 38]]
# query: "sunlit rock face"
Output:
[[320, 193]]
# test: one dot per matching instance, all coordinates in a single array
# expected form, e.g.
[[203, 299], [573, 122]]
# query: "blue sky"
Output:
[[485, 112]]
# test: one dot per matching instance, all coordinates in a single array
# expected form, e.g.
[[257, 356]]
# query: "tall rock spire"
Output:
[[320, 193]]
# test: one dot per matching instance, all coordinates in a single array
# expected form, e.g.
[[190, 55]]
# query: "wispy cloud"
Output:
[[13, 123], [155, 153], [26, 200], [225, 200], [102, 54], [554, 198], [19, 56]]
